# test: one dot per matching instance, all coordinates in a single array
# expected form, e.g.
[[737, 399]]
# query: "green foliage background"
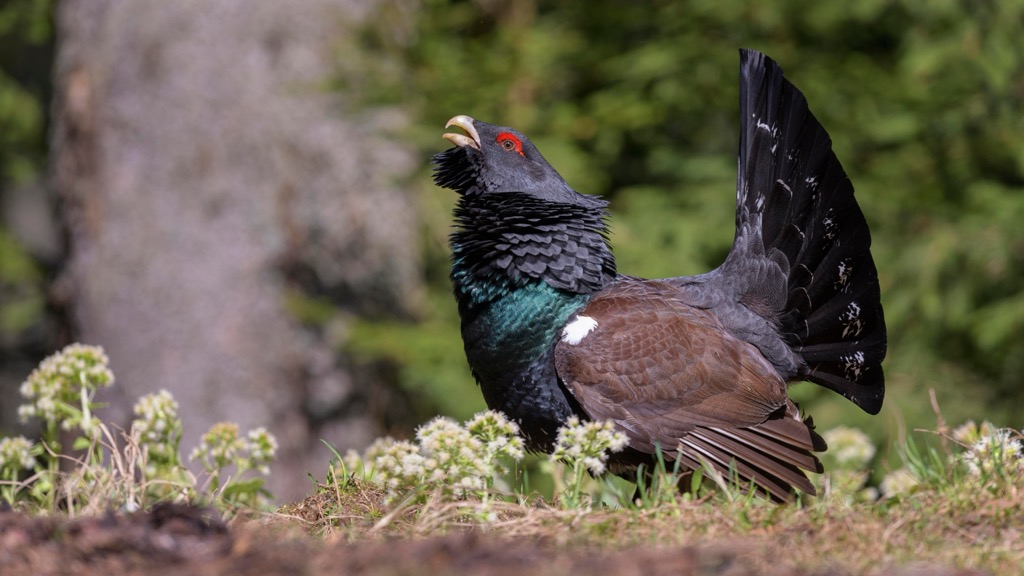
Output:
[[25, 35], [638, 102]]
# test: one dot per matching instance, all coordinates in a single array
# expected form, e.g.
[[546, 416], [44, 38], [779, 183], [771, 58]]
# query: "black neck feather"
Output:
[[505, 240]]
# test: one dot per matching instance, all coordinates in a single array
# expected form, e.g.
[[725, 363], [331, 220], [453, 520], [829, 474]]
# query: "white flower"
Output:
[[970, 432], [587, 444], [850, 447], [56, 390], [998, 450], [261, 445], [595, 465], [897, 482], [219, 447], [453, 459], [15, 454], [412, 465]]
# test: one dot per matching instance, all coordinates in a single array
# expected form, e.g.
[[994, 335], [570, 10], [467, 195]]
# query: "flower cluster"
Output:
[[587, 444], [499, 434], [15, 456], [454, 459], [223, 446], [398, 465], [62, 387], [846, 463], [990, 451], [60, 393], [262, 448], [970, 432], [158, 427], [898, 482], [849, 447]]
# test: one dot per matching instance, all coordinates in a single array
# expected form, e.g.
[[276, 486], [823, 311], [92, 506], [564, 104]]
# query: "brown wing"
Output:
[[669, 374]]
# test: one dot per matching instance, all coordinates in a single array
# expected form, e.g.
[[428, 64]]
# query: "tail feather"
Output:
[[763, 471], [772, 456], [791, 179]]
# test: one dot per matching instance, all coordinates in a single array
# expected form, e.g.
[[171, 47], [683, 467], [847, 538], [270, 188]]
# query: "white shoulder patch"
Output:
[[575, 331]]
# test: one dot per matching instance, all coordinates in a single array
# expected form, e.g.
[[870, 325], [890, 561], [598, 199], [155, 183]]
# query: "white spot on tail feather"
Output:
[[844, 273], [853, 365], [575, 331], [831, 227], [852, 323]]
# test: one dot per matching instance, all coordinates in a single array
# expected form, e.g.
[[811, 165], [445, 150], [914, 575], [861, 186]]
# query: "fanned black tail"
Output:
[[790, 179]]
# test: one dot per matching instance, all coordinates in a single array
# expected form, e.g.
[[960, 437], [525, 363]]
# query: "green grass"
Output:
[[970, 530]]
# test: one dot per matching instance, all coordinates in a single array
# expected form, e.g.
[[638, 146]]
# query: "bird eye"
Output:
[[510, 142]]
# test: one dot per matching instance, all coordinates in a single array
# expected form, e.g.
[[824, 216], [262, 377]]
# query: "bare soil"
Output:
[[174, 539]]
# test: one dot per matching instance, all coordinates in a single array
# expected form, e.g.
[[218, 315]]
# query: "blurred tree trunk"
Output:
[[211, 190]]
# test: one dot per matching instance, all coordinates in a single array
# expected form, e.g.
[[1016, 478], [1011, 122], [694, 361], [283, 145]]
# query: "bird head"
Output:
[[489, 159]]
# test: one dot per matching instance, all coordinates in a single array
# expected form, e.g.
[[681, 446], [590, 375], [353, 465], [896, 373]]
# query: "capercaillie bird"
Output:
[[695, 365]]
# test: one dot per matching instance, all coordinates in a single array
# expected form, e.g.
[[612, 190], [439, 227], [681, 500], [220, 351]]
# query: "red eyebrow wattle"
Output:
[[509, 137]]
